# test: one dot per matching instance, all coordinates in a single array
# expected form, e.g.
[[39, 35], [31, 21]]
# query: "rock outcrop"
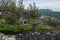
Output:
[[32, 35]]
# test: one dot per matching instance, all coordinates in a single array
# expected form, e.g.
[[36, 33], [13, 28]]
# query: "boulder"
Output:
[[23, 20]]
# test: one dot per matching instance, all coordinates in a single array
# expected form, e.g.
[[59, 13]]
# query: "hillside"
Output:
[[48, 11]]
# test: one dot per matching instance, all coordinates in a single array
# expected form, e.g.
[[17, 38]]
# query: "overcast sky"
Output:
[[44, 4]]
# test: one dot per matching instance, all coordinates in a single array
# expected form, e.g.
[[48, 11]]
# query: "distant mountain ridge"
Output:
[[45, 10]]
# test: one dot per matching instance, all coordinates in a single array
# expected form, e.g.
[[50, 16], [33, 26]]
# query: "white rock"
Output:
[[8, 37], [20, 34], [48, 33], [32, 33], [1, 35]]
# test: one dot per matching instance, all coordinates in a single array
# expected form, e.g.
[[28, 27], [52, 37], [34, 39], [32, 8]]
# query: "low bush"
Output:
[[5, 28], [44, 27], [30, 20], [14, 28], [26, 27]]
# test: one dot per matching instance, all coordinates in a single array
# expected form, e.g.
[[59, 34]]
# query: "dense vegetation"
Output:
[[56, 14], [11, 13]]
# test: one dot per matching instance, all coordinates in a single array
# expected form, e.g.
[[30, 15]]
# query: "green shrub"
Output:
[[9, 29], [10, 18], [44, 27], [14, 28], [26, 27], [30, 20], [58, 24]]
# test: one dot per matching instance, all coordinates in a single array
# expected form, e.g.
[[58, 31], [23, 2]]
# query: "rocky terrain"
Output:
[[38, 35], [32, 35]]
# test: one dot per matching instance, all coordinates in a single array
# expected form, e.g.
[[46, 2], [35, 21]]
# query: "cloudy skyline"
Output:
[[44, 4]]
